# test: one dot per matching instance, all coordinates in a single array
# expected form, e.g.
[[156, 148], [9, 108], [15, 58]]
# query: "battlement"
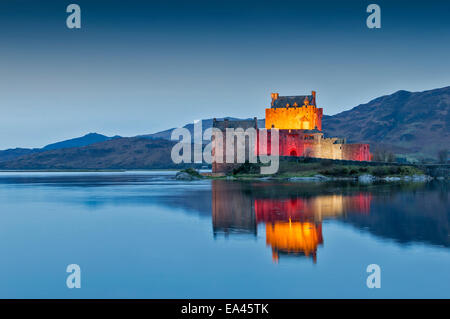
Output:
[[293, 101]]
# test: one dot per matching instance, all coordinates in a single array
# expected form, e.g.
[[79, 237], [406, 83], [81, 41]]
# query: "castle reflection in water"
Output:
[[293, 222]]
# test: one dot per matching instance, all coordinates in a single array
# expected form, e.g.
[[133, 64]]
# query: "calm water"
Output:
[[145, 235]]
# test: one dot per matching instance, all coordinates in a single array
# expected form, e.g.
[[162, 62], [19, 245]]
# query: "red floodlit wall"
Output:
[[356, 152], [302, 143]]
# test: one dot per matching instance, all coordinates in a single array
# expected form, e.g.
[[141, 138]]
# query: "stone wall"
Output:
[[219, 162], [308, 144], [305, 143], [306, 117], [356, 152]]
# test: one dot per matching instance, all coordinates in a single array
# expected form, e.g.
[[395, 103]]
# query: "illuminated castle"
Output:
[[294, 112], [299, 124]]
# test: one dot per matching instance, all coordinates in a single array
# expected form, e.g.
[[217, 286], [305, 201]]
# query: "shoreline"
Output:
[[86, 170], [363, 179]]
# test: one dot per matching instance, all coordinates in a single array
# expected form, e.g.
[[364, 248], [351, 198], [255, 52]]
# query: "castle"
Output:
[[299, 124]]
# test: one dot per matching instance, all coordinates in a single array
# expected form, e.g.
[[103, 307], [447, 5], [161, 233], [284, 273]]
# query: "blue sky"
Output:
[[137, 67]]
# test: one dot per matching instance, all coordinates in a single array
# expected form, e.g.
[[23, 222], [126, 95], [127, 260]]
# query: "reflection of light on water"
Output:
[[302, 236], [293, 223], [294, 238], [293, 226], [316, 208]]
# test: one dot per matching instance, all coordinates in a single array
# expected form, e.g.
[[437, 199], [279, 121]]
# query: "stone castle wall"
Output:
[[291, 143], [356, 152], [219, 162], [303, 118]]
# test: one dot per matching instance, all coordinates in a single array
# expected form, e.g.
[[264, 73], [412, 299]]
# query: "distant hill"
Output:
[[118, 153], [206, 123], [12, 153], [88, 139], [85, 140], [405, 122]]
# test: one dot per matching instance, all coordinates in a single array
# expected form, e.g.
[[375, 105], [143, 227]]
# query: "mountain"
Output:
[[207, 123], [117, 153], [13, 153], [405, 122], [88, 139], [85, 140]]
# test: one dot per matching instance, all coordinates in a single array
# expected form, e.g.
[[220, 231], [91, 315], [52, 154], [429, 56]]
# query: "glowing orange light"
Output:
[[294, 238]]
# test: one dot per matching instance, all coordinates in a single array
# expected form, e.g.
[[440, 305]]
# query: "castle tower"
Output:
[[294, 112]]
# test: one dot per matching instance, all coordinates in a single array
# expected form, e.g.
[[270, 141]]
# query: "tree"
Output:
[[383, 155], [390, 157]]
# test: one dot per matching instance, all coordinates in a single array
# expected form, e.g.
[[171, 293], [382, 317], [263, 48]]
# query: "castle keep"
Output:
[[299, 124], [294, 112]]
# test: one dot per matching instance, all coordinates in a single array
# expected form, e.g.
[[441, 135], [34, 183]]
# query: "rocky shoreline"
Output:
[[363, 179]]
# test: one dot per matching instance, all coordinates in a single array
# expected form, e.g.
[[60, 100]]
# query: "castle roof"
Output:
[[282, 101], [244, 124], [313, 131]]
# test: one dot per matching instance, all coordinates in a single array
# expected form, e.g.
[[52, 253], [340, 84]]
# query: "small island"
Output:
[[323, 170]]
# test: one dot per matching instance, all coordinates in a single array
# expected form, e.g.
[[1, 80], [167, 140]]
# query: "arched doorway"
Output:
[[293, 153]]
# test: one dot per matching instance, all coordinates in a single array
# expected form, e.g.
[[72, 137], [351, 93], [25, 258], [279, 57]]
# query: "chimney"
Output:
[[274, 97], [314, 98]]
